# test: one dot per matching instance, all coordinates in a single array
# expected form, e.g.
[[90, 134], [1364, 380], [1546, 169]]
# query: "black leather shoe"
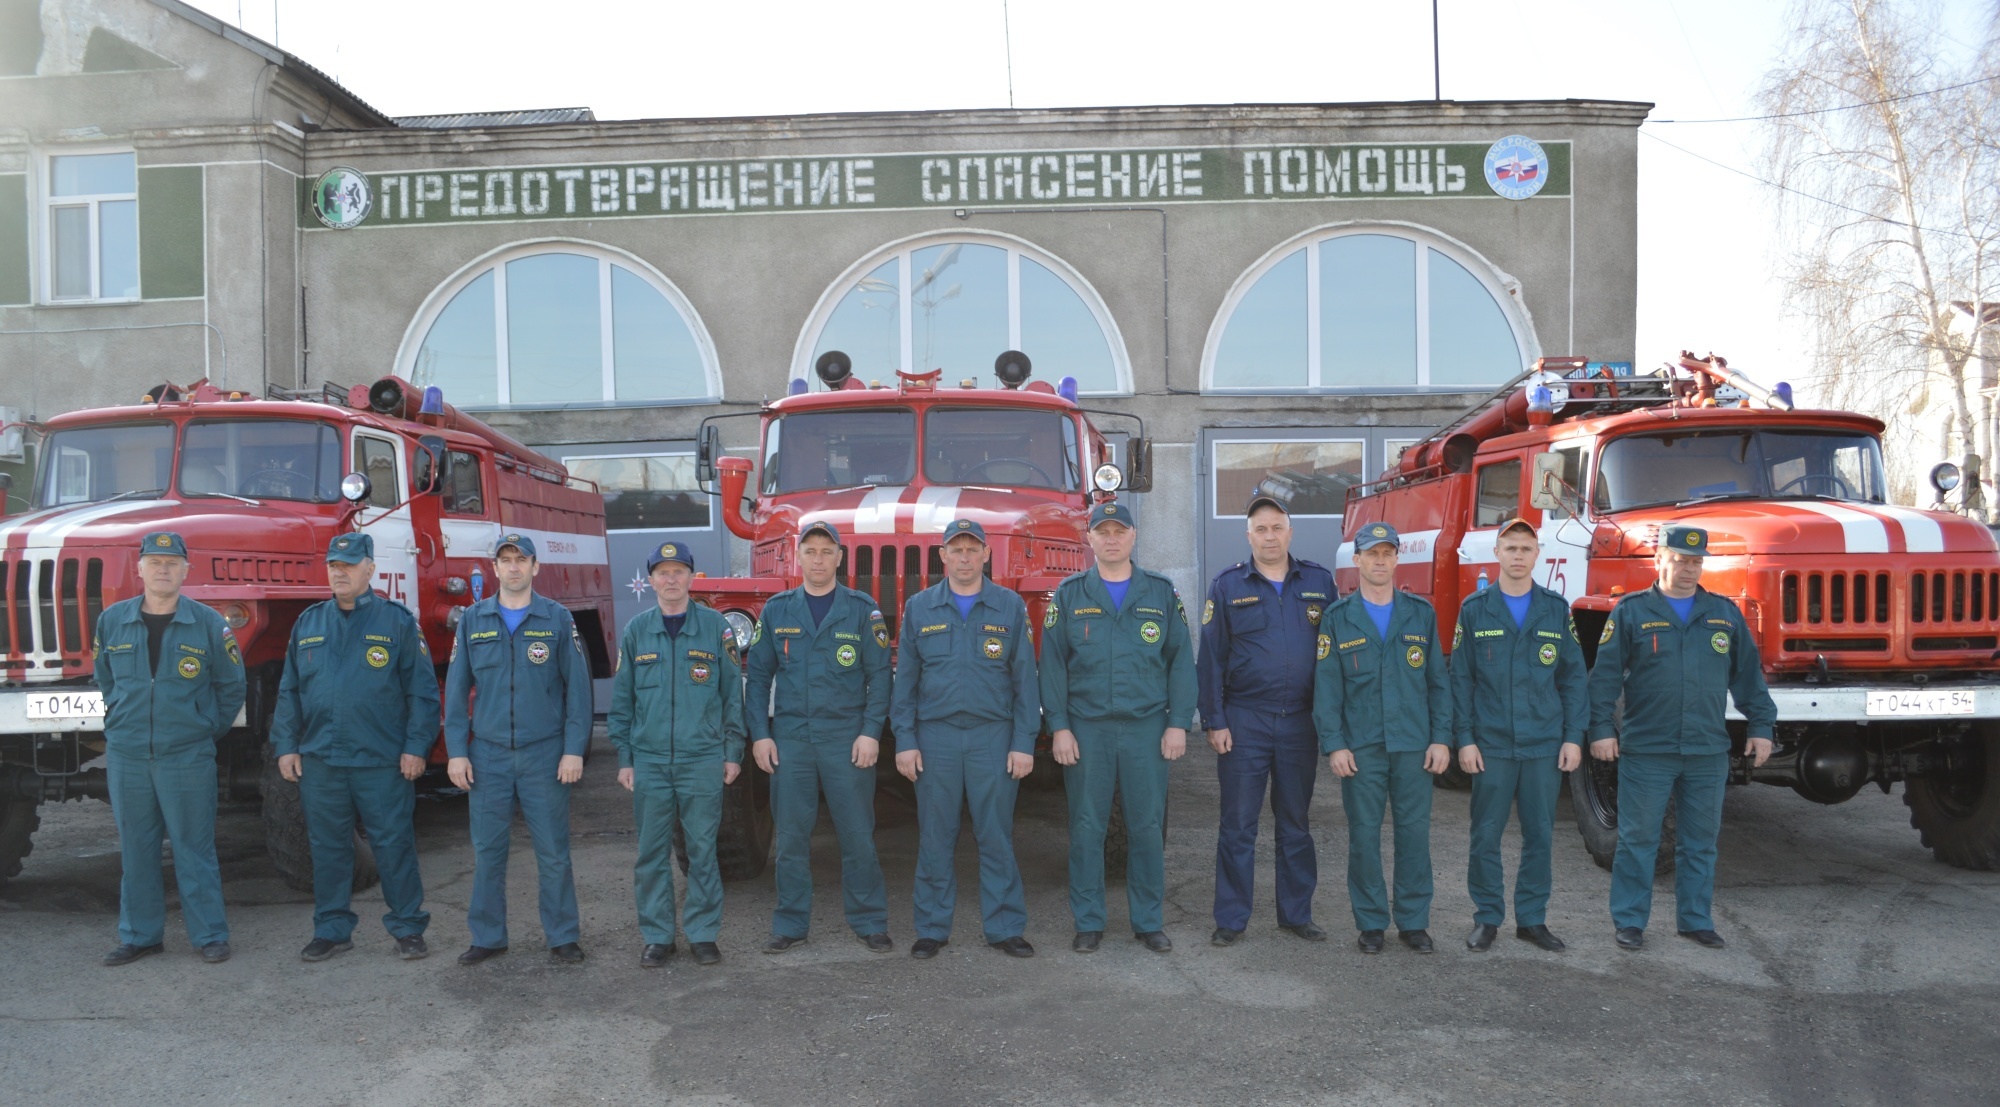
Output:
[[1307, 931], [1631, 937], [1016, 946], [878, 943], [1086, 941], [1155, 940], [319, 949], [1539, 934], [705, 953], [1481, 938], [923, 949], [215, 953], [779, 943], [1370, 941], [655, 955], [1224, 936], [477, 954], [125, 955], [569, 953], [1708, 938], [1418, 940], [412, 948]]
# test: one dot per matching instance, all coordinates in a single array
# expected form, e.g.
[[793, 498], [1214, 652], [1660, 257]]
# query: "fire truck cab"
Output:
[[1878, 625], [258, 487]]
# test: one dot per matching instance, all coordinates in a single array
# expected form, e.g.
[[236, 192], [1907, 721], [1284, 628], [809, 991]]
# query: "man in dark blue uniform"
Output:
[[172, 680], [516, 724], [357, 714], [1675, 653], [966, 712], [1258, 631], [826, 649]]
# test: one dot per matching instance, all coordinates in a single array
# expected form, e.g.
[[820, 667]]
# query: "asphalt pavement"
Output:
[[1859, 970]]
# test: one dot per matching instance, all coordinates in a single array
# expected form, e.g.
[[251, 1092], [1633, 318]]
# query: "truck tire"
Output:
[[1453, 778], [284, 816], [743, 843], [1593, 794], [1956, 809], [1118, 838], [19, 819]]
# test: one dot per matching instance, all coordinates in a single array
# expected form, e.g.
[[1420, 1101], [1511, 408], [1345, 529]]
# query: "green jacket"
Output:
[[833, 680], [359, 688], [1677, 680], [966, 672], [188, 700], [677, 699], [1134, 662], [1517, 691], [1368, 692], [516, 689]]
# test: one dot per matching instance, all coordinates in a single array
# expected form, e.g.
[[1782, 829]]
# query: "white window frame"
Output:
[[495, 261], [641, 456], [1016, 248], [45, 185], [1219, 510], [1505, 290]]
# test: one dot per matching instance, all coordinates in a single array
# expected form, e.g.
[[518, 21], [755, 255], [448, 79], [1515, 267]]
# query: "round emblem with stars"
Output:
[[993, 648], [378, 657], [698, 672], [1547, 653], [190, 667], [538, 652], [1313, 612], [1719, 641], [1149, 632], [845, 655], [1415, 657]]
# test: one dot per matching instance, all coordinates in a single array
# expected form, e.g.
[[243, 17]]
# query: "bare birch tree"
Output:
[[1885, 141]]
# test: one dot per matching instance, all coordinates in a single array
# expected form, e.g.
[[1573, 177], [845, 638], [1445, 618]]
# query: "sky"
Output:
[[1708, 250]]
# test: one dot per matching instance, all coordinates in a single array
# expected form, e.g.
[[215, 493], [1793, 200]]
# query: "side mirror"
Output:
[[6, 481], [433, 448], [1139, 465], [1546, 493], [355, 487], [707, 447]]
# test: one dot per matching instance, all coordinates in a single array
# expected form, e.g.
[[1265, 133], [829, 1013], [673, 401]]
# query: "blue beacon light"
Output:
[[797, 387], [1066, 388], [1783, 392], [433, 401]]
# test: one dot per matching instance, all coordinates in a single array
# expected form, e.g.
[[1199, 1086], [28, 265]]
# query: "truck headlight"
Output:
[[741, 625], [1107, 478], [1944, 477]]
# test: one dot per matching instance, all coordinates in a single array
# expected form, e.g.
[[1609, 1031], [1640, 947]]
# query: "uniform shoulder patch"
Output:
[[1457, 635], [1050, 616], [1207, 612], [1610, 628]]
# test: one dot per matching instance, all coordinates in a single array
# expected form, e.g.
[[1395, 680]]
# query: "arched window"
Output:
[[560, 324], [955, 303], [1368, 306]]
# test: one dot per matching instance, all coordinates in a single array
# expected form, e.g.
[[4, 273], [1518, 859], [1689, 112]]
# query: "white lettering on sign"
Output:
[[430, 189], [534, 192], [464, 194], [569, 177], [753, 185], [639, 182], [604, 190], [499, 194]]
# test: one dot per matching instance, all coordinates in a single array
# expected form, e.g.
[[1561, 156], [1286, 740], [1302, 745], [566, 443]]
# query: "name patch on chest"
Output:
[[934, 628], [477, 635], [538, 634], [843, 636], [1489, 634], [378, 638], [313, 641], [700, 655], [1087, 611], [645, 658], [994, 628], [1353, 642], [1241, 600], [1655, 624]]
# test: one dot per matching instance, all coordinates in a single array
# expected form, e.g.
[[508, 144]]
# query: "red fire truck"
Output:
[[1878, 625], [258, 487], [891, 465]]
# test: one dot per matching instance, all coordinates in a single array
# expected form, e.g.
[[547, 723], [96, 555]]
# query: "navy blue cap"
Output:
[[1261, 498], [1375, 534], [163, 543], [964, 526], [353, 548], [1113, 512], [670, 551], [820, 526], [520, 542], [1686, 539]]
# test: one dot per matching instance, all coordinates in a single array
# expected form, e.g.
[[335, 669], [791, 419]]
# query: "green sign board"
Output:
[[1512, 168]]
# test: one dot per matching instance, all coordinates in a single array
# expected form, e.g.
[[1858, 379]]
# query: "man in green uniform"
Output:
[[172, 680], [966, 714], [1382, 706], [357, 715], [677, 720], [1674, 654], [516, 724], [826, 649], [1518, 696], [1118, 689]]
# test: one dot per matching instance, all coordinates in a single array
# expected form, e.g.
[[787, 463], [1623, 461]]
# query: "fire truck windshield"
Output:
[[1010, 447], [1648, 470], [839, 449], [262, 459], [97, 463]]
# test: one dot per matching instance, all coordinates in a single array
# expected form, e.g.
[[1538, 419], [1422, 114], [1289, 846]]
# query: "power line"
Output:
[[1841, 107], [1806, 195]]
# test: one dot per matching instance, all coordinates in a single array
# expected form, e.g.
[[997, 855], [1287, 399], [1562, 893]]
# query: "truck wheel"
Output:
[[1955, 808], [285, 835], [18, 820], [1593, 792], [743, 845], [1118, 838], [1453, 778]]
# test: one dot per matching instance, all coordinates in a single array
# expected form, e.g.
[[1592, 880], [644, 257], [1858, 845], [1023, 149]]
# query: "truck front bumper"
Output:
[[1939, 702], [55, 709]]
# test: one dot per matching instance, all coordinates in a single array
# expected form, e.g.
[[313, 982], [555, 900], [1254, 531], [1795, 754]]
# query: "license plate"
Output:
[[1942, 702], [65, 705]]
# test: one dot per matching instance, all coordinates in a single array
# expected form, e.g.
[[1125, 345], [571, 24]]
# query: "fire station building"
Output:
[[1282, 293]]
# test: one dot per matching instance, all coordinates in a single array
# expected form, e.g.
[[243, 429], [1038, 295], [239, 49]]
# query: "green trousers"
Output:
[[1530, 786], [1398, 782], [687, 793], [805, 769], [1120, 755], [1647, 782]]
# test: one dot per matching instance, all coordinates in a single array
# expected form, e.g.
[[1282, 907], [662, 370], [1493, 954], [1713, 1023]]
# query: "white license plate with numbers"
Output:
[[64, 705], [1917, 703]]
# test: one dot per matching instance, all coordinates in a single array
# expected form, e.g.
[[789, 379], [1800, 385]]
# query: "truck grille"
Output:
[[1842, 612], [892, 573], [48, 613]]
